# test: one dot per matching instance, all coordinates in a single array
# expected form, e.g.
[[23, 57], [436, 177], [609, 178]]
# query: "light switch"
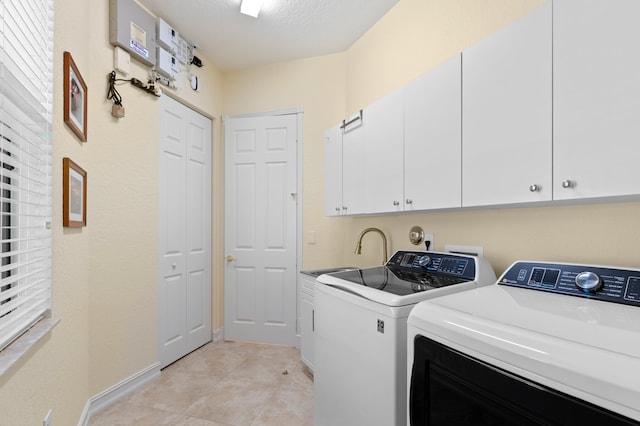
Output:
[[311, 237]]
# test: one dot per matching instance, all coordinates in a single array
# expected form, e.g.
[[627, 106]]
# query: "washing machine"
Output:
[[360, 332], [549, 344]]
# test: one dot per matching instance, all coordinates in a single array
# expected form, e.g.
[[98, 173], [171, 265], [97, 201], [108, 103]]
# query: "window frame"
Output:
[[26, 122]]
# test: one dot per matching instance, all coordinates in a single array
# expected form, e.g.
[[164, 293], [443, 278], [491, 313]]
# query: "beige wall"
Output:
[[415, 36], [123, 157], [104, 275]]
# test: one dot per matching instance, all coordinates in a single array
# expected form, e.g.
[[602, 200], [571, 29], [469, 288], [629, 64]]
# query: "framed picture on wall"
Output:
[[74, 195], [75, 99]]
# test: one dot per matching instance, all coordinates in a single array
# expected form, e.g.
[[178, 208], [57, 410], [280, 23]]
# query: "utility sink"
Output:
[[317, 272]]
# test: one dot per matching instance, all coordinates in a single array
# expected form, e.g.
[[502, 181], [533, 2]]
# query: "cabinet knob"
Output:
[[337, 209], [396, 203], [409, 201], [568, 184], [534, 188], [230, 258]]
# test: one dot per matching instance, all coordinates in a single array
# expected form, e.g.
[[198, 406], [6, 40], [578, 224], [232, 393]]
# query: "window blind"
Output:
[[26, 105]]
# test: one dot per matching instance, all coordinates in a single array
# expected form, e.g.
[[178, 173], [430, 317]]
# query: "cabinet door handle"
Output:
[[346, 123], [534, 188], [313, 320], [568, 184], [409, 201], [396, 203]]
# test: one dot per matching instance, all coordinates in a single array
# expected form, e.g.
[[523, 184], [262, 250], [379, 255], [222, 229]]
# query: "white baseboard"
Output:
[[117, 391], [217, 335]]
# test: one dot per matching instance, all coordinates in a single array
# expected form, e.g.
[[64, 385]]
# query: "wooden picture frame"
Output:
[[74, 194], [75, 99]]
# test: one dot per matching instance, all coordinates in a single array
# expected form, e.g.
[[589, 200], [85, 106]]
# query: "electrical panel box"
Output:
[[133, 29], [167, 36], [167, 64], [169, 39], [182, 54]]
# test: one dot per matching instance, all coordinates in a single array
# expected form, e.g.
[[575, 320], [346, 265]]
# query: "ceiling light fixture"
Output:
[[251, 7]]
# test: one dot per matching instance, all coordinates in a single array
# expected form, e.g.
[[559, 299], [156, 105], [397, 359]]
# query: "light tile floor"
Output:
[[222, 384]]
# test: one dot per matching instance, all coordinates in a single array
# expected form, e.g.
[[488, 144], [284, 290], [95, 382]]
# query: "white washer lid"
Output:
[[585, 348], [391, 299]]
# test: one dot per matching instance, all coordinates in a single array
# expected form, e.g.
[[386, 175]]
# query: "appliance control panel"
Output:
[[604, 283], [434, 262]]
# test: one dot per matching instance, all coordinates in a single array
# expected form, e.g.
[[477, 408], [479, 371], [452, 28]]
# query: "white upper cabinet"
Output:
[[432, 138], [372, 158], [507, 114], [546, 109], [596, 98], [383, 163], [354, 156], [333, 171]]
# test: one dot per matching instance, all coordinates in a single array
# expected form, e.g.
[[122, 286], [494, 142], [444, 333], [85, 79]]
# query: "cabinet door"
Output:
[[432, 138], [383, 165], [507, 114], [333, 171], [306, 338], [596, 98], [354, 155], [306, 314]]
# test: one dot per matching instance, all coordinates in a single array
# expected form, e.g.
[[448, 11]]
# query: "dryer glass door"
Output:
[[449, 387]]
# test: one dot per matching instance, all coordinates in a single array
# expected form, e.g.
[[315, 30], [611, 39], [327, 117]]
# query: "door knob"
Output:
[[230, 258]]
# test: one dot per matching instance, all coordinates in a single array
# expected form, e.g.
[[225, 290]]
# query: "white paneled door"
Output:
[[260, 228], [184, 288]]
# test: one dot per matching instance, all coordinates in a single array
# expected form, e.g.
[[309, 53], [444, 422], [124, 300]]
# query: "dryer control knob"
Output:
[[588, 281], [424, 261]]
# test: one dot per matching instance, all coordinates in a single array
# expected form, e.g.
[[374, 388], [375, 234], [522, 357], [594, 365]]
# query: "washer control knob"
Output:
[[588, 281], [424, 261]]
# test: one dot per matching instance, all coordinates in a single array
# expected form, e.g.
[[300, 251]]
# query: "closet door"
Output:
[[184, 287]]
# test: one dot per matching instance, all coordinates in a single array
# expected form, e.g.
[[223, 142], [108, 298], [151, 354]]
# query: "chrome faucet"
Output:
[[384, 242]]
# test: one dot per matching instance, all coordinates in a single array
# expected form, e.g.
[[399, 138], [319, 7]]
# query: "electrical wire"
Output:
[[112, 93]]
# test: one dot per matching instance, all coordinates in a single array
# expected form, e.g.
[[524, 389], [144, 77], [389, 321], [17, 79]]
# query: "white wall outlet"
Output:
[[47, 419], [429, 237]]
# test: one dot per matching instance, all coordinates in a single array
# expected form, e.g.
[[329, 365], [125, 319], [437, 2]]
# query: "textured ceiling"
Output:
[[284, 29]]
